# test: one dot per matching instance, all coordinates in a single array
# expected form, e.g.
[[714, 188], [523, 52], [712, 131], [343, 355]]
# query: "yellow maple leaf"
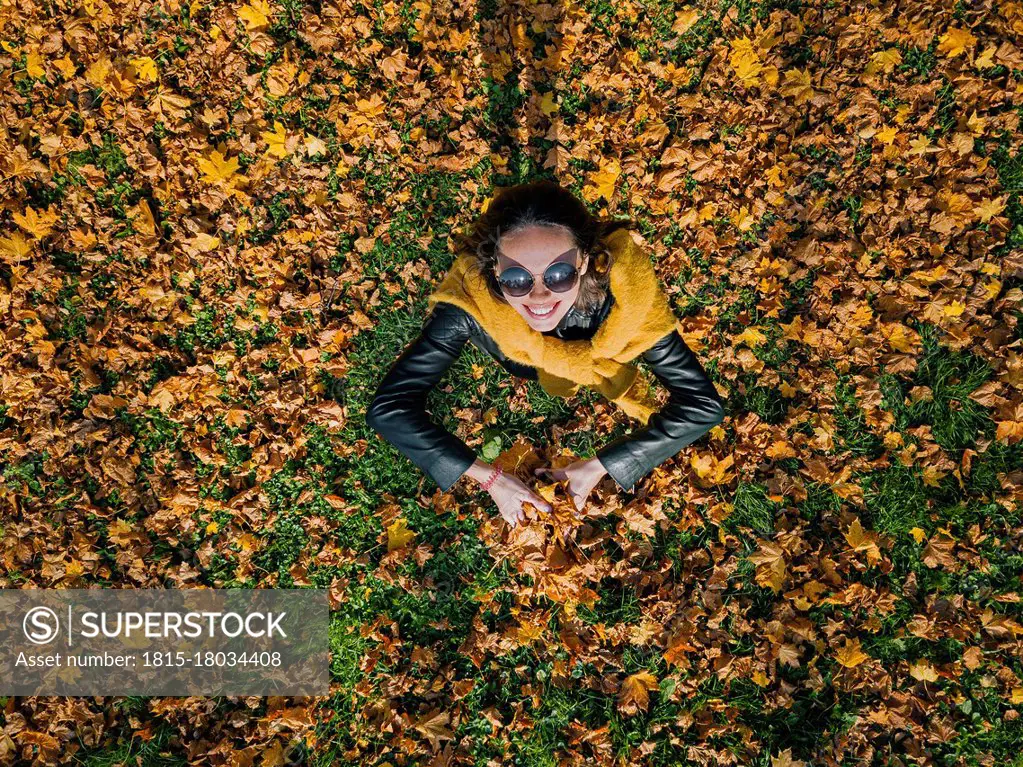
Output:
[[986, 59], [922, 670], [204, 243], [280, 76], [743, 219], [314, 145], [244, 225], [887, 134], [276, 140], [921, 145], [773, 175], [15, 248], [434, 727], [398, 534], [884, 61], [850, 654], [37, 223], [602, 181], [119, 532], [100, 12], [954, 309], [66, 66], [1009, 431], [709, 469], [988, 209], [218, 169], [527, 632], [976, 123], [797, 85], [548, 105], [707, 212], [143, 220], [34, 65], [745, 60], [900, 337], [784, 759], [98, 72], [902, 113], [955, 42], [166, 104], [684, 20], [751, 336], [780, 448], [256, 14], [146, 68], [546, 492]]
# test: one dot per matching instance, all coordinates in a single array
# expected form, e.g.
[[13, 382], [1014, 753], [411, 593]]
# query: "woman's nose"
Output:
[[540, 290]]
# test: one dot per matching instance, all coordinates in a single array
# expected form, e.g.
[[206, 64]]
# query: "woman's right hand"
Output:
[[509, 493]]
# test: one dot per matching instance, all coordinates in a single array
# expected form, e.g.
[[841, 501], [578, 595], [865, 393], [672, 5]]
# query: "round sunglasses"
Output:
[[559, 277]]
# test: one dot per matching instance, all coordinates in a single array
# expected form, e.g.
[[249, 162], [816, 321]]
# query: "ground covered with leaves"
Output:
[[220, 225]]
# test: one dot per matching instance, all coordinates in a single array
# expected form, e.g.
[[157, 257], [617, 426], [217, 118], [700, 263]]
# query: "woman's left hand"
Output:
[[581, 477]]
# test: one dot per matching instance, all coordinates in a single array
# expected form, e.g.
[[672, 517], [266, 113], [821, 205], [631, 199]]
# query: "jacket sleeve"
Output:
[[398, 411], [693, 409]]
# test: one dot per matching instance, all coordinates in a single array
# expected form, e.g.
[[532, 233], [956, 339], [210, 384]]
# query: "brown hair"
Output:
[[544, 203]]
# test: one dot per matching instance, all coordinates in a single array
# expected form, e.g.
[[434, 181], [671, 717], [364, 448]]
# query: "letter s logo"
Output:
[[40, 625]]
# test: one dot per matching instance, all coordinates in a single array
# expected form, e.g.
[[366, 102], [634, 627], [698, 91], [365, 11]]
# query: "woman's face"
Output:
[[534, 249]]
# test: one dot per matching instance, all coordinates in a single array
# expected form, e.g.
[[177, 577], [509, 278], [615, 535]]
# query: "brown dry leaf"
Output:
[[634, 695], [788, 655], [104, 406], [519, 459], [784, 759], [434, 727], [939, 553], [972, 658], [771, 565], [863, 541]]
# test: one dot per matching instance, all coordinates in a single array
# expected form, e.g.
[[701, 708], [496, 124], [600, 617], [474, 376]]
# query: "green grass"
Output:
[[955, 420], [752, 509], [896, 499], [855, 437], [130, 750]]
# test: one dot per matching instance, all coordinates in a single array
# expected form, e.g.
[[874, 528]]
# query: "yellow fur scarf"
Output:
[[639, 318]]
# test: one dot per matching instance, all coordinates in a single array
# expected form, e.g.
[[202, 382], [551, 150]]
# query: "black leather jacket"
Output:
[[398, 411]]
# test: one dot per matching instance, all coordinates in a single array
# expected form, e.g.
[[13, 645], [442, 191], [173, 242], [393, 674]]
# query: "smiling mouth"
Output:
[[542, 311]]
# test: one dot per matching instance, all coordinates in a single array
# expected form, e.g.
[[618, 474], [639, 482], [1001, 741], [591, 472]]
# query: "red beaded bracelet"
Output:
[[493, 476]]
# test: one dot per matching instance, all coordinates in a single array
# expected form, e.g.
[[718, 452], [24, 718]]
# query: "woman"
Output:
[[558, 296]]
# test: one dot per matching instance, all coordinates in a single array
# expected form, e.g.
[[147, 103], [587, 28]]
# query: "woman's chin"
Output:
[[543, 323]]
